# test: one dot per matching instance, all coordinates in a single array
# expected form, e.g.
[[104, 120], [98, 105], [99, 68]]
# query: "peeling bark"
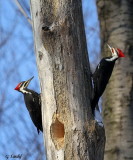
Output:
[[116, 23], [70, 131]]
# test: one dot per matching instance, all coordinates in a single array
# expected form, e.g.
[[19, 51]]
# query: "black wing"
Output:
[[100, 80], [33, 104]]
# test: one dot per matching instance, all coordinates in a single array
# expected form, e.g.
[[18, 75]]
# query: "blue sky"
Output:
[[92, 31], [17, 63]]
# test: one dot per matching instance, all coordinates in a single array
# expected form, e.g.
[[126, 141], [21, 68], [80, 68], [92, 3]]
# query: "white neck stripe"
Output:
[[111, 59], [24, 91]]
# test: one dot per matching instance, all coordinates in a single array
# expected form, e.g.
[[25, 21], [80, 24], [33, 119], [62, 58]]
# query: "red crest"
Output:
[[120, 53]]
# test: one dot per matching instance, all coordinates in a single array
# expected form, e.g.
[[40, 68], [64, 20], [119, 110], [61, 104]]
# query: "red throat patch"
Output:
[[120, 53], [17, 87]]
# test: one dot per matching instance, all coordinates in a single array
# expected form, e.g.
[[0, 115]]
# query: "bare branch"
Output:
[[23, 11]]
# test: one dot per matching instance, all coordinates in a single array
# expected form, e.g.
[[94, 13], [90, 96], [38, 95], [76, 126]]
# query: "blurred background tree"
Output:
[[17, 63], [116, 22]]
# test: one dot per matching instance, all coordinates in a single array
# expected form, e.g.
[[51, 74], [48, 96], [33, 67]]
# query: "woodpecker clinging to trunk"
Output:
[[102, 74], [33, 103]]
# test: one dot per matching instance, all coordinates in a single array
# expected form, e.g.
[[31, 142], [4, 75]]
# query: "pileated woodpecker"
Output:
[[102, 74], [33, 103]]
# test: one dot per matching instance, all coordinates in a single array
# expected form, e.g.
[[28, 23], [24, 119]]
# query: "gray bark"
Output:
[[116, 22], [70, 132]]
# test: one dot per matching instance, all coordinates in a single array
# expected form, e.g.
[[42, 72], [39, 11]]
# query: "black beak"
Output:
[[28, 81]]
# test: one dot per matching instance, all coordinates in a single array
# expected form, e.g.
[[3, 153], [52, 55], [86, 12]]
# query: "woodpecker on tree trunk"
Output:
[[102, 75], [33, 103]]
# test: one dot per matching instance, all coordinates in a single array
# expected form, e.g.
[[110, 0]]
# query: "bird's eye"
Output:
[[25, 84]]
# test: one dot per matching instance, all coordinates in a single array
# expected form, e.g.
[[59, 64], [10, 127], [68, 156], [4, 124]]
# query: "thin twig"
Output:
[[23, 11]]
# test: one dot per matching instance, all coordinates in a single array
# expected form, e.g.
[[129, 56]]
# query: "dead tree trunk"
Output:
[[116, 29], [70, 132]]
